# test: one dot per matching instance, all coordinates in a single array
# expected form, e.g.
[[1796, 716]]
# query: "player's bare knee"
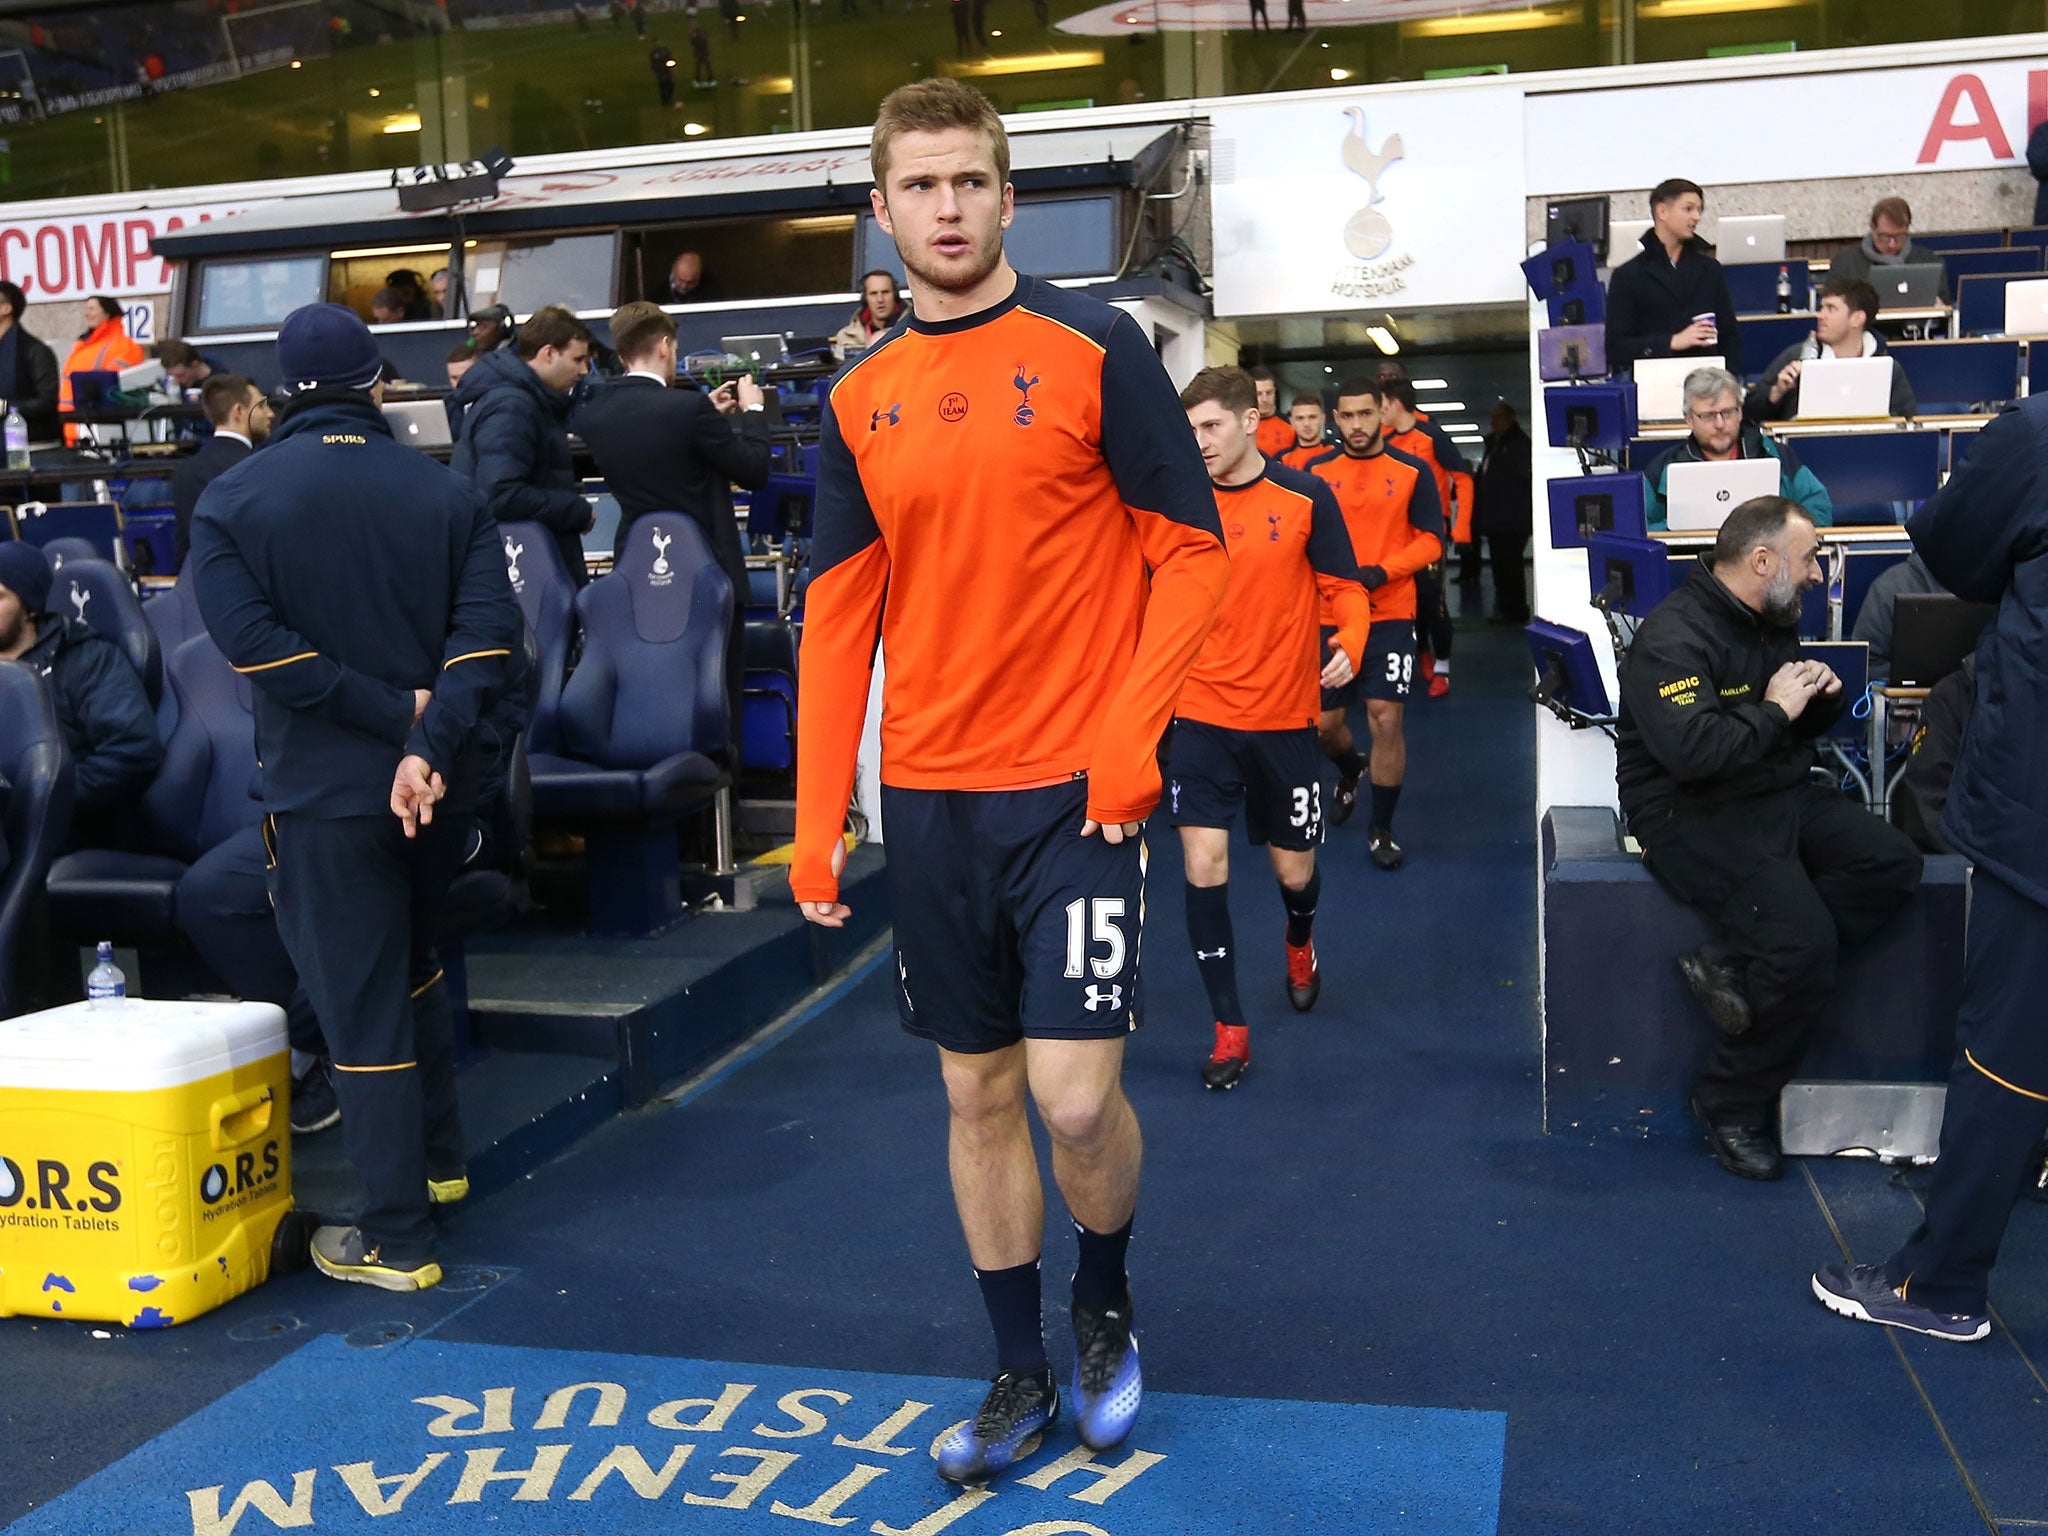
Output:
[[1080, 1116], [1384, 716], [984, 1092], [1207, 867]]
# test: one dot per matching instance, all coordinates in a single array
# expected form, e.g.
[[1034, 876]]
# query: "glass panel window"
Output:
[[523, 275], [258, 294]]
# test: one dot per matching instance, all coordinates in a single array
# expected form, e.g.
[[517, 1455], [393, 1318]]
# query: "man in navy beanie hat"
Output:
[[101, 705], [359, 586]]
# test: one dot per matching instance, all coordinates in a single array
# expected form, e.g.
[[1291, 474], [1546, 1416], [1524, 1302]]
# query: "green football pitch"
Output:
[[545, 89]]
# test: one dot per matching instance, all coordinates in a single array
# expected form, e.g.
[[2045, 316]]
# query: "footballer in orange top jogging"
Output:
[[1307, 419], [1245, 728], [1390, 505], [1276, 433], [1411, 432], [997, 475]]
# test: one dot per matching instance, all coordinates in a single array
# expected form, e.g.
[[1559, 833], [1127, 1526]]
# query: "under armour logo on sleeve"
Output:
[[1097, 998]]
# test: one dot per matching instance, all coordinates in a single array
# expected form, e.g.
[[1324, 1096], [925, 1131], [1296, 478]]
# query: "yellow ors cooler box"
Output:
[[145, 1158]]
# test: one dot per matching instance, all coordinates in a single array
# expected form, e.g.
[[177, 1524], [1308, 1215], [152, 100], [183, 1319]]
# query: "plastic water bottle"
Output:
[[1784, 290], [17, 439], [106, 982]]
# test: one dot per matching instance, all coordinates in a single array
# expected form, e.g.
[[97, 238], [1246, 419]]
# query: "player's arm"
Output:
[[1335, 563], [1161, 478], [842, 624], [1425, 529]]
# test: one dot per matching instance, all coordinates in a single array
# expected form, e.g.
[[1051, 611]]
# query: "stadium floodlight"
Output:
[[425, 188]]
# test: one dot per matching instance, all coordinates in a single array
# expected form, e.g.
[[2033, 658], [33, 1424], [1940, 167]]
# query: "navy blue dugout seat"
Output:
[[1765, 336], [100, 596], [1962, 240], [174, 615], [547, 597], [1999, 259], [1754, 287], [203, 793], [35, 810], [1868, 474], [97, 522], [643, 722], [1958, 377], [1623, 1037], [768, 697]]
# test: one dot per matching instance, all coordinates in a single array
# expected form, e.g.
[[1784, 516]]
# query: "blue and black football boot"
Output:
[[1019, 1408], [1107, 1383]]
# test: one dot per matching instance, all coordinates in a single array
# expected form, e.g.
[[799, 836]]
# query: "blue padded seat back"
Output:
[[98, 523], [205, 790], [547, 597], [97, 593], [651, 682], [35, 813], [174, 615], [57, 551]]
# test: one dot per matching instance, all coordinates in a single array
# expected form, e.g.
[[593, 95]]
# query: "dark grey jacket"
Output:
[[512, 442]]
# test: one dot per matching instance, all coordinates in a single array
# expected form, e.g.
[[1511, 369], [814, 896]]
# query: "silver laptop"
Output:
[[755, 351], [1845, 387], [1750, 237], [1625, 239], [1916, 285], [1698, 496], [1660, 385], [418, 423], [2026, 307]]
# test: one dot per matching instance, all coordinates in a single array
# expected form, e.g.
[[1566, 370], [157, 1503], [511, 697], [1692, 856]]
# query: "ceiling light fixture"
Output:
[[1482, 23], [1383, 339], [1423, 384]]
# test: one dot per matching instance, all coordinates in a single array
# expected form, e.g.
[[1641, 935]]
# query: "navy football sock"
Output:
[[1301, 908], [1209, 933], [1352, 764], [1099, 1279], [1384, 798], [1011, 1296]]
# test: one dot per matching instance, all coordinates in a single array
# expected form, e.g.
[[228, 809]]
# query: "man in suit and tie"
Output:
[[241, 419], [668, 448]]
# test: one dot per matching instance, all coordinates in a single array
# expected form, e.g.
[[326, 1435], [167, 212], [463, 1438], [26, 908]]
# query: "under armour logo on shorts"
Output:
[[1097, 998]]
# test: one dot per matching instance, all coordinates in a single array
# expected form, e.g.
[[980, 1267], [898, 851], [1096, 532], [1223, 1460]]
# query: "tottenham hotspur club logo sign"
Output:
[[662, 572], [1369, 232]]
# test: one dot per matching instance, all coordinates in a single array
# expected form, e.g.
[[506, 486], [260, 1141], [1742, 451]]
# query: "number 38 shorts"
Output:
[[1387, 669], [1009, 923], [1276, 775]]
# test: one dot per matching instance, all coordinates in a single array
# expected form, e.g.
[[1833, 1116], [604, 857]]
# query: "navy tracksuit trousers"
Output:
[[358, 903], [1997, 1103], [224, 909]]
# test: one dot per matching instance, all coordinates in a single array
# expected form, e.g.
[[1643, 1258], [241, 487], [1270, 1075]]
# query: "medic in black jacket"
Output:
[[1719, 715], [360, 587]]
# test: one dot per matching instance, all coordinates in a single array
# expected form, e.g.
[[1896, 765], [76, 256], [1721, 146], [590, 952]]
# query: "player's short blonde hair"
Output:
[[932, 106]]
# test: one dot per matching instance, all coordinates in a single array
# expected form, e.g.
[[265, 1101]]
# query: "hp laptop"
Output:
[[1750, 237], [1931, 634], [418, 423], [1699, 496], [1660, 385], [1845, 388]]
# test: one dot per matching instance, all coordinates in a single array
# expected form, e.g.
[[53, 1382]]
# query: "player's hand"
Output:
[[414, 789], [1113, 832], [829, 914], [726, 398], [1372, 577], [1337, 671], [420, 699], [1788, 376], [1698, 334]]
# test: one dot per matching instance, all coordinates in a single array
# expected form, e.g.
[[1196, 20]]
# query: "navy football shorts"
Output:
[[1009, 923], [1276, 775], [1387, 669]]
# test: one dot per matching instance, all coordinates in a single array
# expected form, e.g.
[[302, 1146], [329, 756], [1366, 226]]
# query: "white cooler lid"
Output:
[[137, 1045]]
